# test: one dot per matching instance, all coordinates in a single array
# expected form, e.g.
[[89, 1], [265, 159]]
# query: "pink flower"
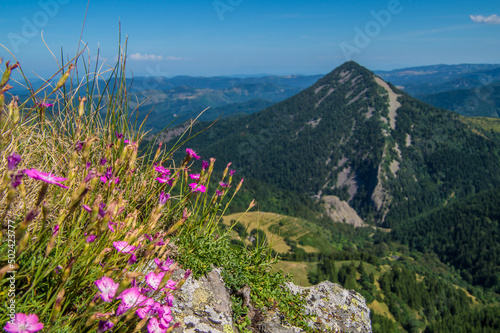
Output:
[[123, 247], [44, 105], [162, 170], [219, 193], [147, 309], [154, 326], [170, 299], [130, 297], [224, 185], [46, 177], [107, 287], [164, 313], [171, 284], [197, 188], [110, 226], [195, 176], [24, 324], [204, 165], [192, 153], [167, 180], [231, 172], [154, 280]]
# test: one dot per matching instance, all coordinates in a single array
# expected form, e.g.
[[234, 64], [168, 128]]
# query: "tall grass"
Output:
[[85, 214]]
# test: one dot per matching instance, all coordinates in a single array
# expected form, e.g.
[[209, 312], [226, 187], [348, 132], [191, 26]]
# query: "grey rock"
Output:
[[204, 306]]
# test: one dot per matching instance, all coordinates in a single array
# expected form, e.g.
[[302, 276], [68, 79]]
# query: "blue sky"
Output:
[[226, 37]]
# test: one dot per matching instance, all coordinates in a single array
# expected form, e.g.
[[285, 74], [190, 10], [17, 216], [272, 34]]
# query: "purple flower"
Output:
[[23, 324], [192, 153], [32, 214], [46, 177], [13, 160], [197, 188], [104, 326], [56, 230], [164, 265], [103, 161], [132, 259], [164, 197], [17, 178], [123, 247], [204, 165], [91, 175], [118, 135], [79, 145], [58, 269], [187, 274], [224, 185], [148, 237], [231, 172], [107, 287], [219, 193], [87, 208], [91, 238], [88, 165]]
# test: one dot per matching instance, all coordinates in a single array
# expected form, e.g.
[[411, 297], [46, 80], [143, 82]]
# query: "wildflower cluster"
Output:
[[95, 220]]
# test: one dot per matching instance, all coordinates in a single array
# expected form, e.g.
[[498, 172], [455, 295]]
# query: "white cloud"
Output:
[[153, 57], [492, 19], [174, 58], [145, 56]]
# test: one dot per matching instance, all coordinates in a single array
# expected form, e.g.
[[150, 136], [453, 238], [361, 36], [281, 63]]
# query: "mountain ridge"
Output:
[[363, 140]]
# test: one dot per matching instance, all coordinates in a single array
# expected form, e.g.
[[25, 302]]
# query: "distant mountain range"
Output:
[[454, 87]]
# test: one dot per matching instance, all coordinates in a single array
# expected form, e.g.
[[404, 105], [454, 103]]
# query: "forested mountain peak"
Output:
[[356, 137]]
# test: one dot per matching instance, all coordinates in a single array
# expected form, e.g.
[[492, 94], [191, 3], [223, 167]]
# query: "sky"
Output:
[[248, 37]]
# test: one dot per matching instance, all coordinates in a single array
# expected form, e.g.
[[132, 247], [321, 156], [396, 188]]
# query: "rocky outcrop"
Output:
[[340, 211], [204, 306]]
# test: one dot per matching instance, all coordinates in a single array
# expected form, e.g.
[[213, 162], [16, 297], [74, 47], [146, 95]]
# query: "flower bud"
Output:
[[63, 79], [81, 106]]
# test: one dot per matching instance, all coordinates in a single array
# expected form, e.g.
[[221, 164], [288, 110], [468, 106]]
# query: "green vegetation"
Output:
[[84, 214]]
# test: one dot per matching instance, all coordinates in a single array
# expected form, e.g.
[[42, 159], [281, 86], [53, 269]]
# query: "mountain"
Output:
[[423, 80], [468, 89], [352, 135], [181, 98], [481, 101]]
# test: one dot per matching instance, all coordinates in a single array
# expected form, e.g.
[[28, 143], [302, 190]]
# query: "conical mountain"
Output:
[[354, 136]]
